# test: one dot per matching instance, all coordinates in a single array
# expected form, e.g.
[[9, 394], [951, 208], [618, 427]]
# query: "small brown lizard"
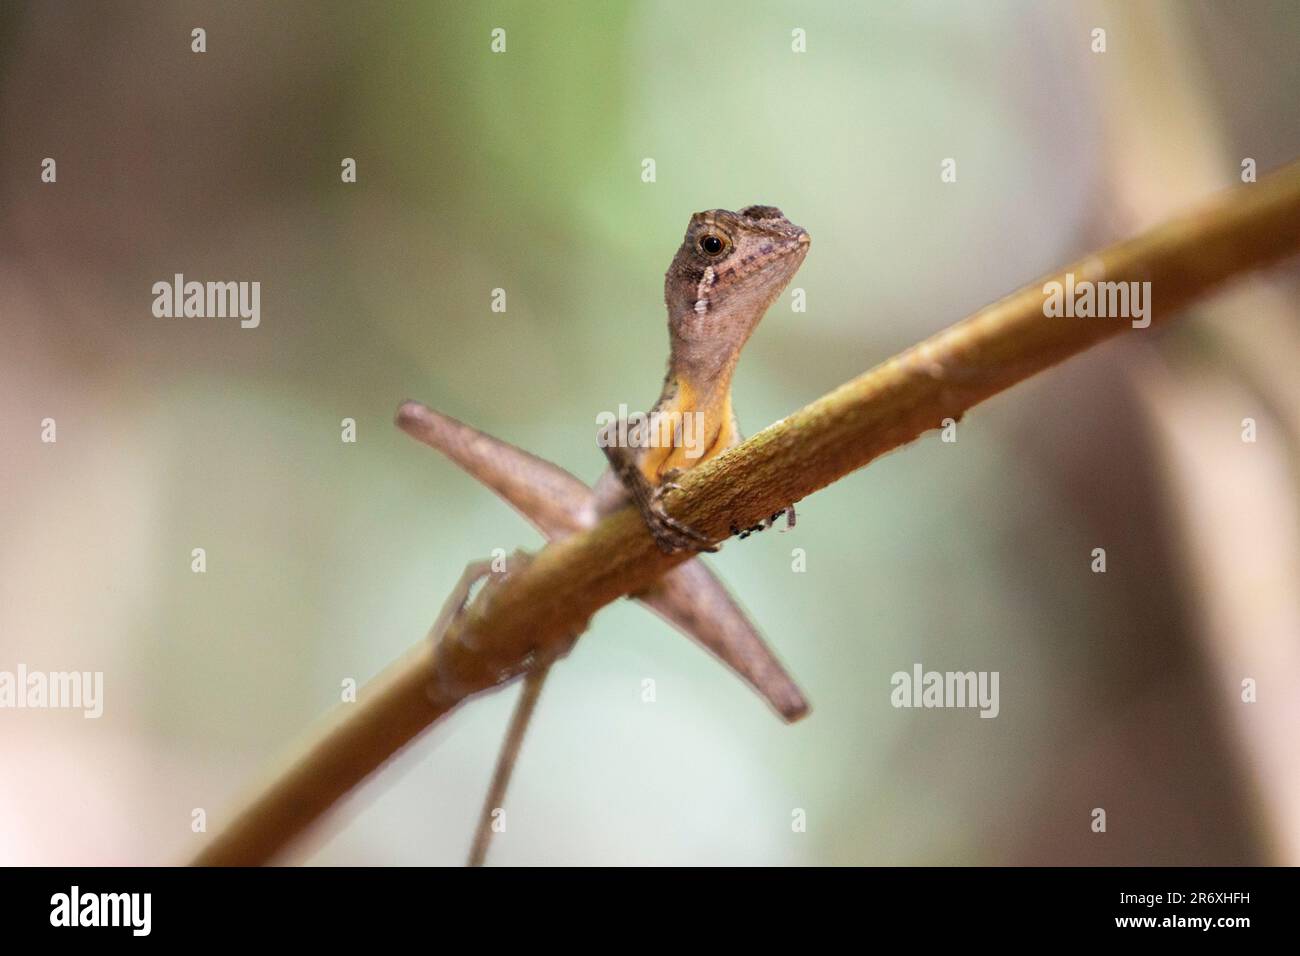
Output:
[[729, 269]]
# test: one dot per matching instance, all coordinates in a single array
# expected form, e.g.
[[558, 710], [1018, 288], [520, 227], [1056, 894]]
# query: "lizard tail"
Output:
[[506, 763]]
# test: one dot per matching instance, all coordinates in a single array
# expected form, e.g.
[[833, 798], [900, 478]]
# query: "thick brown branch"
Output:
[[539, 607]]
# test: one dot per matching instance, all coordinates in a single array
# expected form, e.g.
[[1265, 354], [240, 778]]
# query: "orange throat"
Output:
[[688, 431]]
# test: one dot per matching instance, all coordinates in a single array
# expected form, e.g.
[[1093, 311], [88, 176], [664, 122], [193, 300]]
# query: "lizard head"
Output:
[[731, 266]]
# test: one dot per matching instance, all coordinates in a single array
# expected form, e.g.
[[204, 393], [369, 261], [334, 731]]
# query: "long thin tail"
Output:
[[496, 795]]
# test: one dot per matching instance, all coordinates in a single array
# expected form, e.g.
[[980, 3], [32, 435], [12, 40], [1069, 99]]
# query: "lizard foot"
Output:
[[670, 534], [766, 523], [788, 511]]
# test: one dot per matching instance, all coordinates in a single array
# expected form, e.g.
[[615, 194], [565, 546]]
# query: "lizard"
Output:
[[727, 272], [729, 269]]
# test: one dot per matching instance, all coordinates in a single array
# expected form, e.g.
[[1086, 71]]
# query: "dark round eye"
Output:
[[711, 244]]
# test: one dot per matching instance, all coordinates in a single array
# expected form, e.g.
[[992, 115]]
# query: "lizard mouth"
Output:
[[762, 261]]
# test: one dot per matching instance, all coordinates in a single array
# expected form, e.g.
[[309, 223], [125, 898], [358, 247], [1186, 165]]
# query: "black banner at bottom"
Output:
[[307, 905]]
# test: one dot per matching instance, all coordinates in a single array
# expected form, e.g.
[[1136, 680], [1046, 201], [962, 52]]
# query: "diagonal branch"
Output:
[[535, 610]]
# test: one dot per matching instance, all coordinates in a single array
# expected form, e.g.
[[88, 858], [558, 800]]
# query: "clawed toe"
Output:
[[766, 523], [672, 535]]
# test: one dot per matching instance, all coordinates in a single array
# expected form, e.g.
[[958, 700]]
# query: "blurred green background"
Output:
[[522, 171]]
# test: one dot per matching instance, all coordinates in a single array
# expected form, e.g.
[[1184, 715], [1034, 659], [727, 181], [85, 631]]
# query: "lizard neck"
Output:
[[705, 347], [704, 350], [699, 380]]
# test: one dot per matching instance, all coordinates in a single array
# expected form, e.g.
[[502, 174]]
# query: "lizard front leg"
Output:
[[670, 534]]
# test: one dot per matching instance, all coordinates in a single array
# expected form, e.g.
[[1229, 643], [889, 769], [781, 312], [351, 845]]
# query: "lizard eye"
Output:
[[711, 245]]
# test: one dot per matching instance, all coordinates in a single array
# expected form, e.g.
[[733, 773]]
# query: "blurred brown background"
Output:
[[522, 171]]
